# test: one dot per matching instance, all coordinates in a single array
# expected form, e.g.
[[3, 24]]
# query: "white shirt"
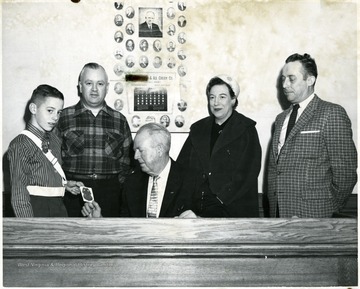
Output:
[[302, 106], [161, 182]]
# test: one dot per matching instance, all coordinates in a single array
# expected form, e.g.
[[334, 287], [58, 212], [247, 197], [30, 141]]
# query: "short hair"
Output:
[[92, 65], [43, 91], [159, 134], [307, 62], [218, 81], [148, 12]]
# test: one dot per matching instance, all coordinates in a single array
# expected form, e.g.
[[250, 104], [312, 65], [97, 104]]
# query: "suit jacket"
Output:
[[176, 197], [144, 30], [315, 171], [231, 171], [182, 24]]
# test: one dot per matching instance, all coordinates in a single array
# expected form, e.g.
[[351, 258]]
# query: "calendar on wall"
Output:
[[150, 63], [150, 99]]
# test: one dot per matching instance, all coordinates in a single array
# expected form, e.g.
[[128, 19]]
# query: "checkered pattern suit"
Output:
[[315, 171]]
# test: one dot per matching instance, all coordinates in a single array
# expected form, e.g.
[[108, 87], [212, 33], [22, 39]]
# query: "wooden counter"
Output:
[[175, 252]]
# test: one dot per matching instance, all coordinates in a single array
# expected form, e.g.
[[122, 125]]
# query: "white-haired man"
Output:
[[158, 187]]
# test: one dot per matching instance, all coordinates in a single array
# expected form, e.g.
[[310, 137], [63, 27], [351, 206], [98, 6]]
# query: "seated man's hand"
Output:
[[187, 215], [73, 187], [91, 210]]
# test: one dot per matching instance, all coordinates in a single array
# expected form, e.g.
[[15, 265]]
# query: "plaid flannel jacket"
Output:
[[100, 145]]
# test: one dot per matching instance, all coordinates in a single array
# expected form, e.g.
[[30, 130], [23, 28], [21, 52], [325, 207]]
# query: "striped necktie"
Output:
[[152, 210]]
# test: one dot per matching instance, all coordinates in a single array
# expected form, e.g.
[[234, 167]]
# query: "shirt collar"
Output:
[[40, 134], [306, 101], [165, 172], [80, 109]]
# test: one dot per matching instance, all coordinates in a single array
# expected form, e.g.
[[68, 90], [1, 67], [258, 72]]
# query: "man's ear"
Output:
[[310, 80], [32, 108], [159, 150]]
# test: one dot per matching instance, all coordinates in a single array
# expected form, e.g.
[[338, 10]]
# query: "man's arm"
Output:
[[124, 210], [342, 154], [158, 32]]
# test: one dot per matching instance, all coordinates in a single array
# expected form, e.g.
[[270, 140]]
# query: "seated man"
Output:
[[158, 187]]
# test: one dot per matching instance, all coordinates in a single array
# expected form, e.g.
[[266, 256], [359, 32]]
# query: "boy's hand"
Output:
[[91, 210], [73, 187]]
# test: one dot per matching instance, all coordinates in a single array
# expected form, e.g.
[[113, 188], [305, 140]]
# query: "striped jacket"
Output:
[[29, 166]]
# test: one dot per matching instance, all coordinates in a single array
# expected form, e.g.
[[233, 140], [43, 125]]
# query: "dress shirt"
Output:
[[95, 144], [302, 106], [161, 182], [30, 167]]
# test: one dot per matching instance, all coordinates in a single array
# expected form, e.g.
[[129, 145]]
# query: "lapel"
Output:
[[173, 185], [232, 130], [305, 117], [279, 124], [138, 195]]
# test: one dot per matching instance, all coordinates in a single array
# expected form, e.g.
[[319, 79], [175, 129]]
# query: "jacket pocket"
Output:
[[309, 145]]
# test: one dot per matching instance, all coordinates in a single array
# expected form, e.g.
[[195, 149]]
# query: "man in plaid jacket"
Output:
[[312, 168]]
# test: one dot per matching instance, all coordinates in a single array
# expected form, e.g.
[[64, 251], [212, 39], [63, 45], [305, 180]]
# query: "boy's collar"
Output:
[[40, 134]]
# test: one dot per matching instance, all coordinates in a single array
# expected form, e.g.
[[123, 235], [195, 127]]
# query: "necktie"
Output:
[[45, 142], [292, 120], [150, 26], [152, 210]]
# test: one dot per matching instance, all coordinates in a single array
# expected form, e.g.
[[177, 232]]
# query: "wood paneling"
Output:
[[349, 210], [176, 252]]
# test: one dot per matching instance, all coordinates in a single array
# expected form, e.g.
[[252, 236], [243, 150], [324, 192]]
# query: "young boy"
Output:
[[37, 180]]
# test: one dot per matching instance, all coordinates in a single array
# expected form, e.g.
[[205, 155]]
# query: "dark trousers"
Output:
[[48, 206], [107, 193]]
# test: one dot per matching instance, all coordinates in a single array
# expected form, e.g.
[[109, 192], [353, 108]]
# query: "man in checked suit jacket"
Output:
[[152, 146], [311, 173]]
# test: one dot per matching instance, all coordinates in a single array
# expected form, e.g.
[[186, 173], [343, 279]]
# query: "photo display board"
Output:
[[150, 63]]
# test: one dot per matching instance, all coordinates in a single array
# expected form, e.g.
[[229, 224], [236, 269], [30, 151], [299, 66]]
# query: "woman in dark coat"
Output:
[[224, 151]]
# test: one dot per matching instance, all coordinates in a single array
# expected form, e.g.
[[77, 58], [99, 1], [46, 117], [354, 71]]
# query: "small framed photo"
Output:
[[87, 194]]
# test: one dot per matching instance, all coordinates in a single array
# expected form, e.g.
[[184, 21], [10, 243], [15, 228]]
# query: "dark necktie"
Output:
[[292, 120], [152, 210], [45, 142]]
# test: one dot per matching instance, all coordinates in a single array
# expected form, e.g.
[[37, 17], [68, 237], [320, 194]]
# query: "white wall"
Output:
[[50, 41]]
